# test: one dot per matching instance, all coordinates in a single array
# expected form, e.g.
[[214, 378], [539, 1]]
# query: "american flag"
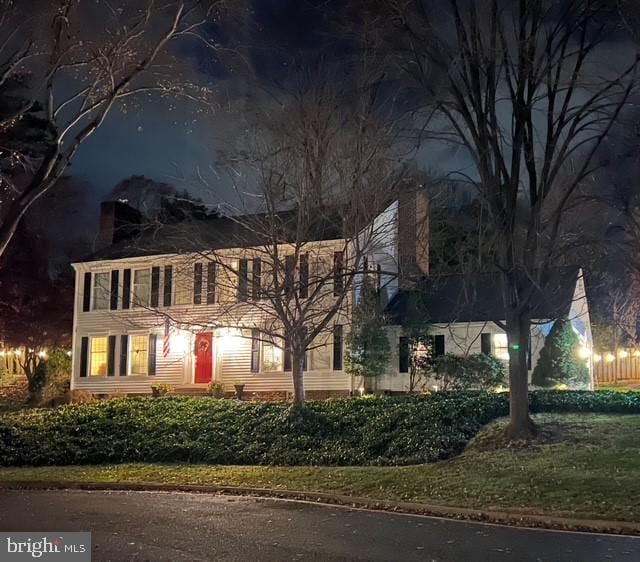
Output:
[[166, 342]]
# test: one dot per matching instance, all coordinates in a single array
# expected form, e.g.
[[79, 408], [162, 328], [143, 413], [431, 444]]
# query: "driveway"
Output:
[[158, 526]]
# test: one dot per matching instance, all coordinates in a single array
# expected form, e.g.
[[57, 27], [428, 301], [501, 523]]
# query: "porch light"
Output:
[[636, 353], [623, 354], [179, 343], [609, 357], [42, 354], [597, 358], [18, 352]]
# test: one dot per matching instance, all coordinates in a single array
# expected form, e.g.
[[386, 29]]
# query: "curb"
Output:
[[510, 518]]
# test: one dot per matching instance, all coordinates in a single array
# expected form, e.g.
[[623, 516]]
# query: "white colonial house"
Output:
[[152, 306]]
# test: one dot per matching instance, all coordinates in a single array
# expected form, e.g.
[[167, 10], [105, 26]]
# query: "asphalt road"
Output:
[[177, 527]]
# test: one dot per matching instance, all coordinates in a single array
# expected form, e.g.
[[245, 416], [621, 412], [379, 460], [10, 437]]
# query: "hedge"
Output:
[[364, 431]]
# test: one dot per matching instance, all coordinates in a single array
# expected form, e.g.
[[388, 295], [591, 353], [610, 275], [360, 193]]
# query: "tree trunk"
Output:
[[297, 372], [520, 425]]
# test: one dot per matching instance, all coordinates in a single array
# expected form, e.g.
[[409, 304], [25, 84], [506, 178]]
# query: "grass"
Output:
[[590, 468]]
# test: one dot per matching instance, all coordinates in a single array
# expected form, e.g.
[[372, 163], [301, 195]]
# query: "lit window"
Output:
[[500, 347], [101, 289], [98, 356], [141, 287], [272, 358], [139, 355], [183, 282], [320, 357]]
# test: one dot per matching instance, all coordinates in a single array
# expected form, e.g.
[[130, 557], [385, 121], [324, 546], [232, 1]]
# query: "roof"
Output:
[[214, 233], [477, 298]]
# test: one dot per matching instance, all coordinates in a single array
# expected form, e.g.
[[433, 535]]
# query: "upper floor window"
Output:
[[101, 290], [141, 287], [183, 283], [272, 358]]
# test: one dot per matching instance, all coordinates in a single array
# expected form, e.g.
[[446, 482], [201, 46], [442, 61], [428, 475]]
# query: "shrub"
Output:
[[372, 431], [216, 389], [162, 389], [479, 372], [394, 430], [559, 362], [56, 388]]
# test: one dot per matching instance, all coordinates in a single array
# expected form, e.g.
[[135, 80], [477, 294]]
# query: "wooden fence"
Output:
[[615, 370]]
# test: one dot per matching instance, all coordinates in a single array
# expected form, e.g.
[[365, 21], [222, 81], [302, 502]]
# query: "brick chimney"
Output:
[[118, 221], [413, 236]]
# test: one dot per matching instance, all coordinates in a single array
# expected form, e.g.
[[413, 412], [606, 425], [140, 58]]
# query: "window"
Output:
[[101, 290], [255, 350], [289, 273], [197, 283], [338, 272], [98, 365], [403, 355], [438, 345], [256, 279], [320, 358], [500, 346], [304, 276], [211, 282], [139, 354], [485, 344], [272, 358], [183, 282], [141, 287], [243, 280], [337, 348]]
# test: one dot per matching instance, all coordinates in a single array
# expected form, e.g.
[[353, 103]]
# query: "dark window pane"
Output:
[[337, 348], [485, 344], [197, 283], [403, 355]]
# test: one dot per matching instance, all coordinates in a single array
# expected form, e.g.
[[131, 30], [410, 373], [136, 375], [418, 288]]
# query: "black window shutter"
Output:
[[485, 344], [111, 357], [124, 354], [288, 363], [155, 287], [243, 280], [211, 283], [153, 338], [289, 272], [378, 277], [304, 275], [337, 348], [126, 289], [255, 350], [197, 283], [84, 356], [529, 351], [338, 266], [438, 345], [86, 295], [115, 278], [256, 279], [403, 355], [168, 280]]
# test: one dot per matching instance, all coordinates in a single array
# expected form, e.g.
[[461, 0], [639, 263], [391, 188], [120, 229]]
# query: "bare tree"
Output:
[[83, 61], [517, 86]]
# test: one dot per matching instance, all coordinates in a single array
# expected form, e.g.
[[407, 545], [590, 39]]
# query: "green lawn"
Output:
[[589, 469]]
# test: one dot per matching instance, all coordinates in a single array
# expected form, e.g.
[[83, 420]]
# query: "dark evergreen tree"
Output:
[[559, 362], [367, 344]]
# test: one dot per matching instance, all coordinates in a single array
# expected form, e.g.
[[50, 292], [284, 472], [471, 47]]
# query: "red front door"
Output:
[[204, 357]]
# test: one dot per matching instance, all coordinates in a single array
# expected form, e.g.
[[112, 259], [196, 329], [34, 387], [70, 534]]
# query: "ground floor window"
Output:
[[272, 358], [139, 354], [98, 364], [500, 347]]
